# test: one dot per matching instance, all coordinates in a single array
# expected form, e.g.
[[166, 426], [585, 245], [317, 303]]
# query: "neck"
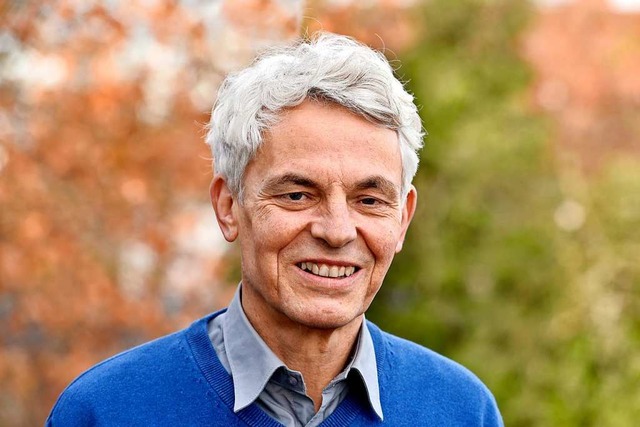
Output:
[[318, 354]]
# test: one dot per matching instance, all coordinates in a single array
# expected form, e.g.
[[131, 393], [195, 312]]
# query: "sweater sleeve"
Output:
[[492, 417], [70, 410]]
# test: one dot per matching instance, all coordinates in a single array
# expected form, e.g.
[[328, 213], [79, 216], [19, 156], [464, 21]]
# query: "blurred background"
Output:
[[523, 262]]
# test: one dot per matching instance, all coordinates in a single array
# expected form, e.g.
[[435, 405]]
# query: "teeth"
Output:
[[324, 270], [327, 271], [333, 271]]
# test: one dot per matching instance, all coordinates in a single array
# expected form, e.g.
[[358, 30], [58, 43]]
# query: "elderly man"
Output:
[[314, 152]]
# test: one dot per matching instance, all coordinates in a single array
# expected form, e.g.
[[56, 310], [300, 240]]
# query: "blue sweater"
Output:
[[178, 380]]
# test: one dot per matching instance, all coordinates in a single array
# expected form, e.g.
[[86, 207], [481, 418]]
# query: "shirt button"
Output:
[[293, 380]]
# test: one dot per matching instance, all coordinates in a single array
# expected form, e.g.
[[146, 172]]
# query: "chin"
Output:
[[324, 319]]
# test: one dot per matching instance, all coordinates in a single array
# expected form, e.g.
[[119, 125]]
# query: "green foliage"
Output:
[[547, 317]]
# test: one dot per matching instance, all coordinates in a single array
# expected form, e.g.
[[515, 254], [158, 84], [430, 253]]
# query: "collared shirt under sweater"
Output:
[[260, 376]]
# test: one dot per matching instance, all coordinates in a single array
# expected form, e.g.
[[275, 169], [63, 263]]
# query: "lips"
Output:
[[326, 270]]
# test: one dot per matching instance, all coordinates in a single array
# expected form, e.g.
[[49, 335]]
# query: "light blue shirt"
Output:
[[260, 376]]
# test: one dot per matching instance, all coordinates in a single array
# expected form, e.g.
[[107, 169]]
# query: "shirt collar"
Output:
[[252, 363], [365, 363]]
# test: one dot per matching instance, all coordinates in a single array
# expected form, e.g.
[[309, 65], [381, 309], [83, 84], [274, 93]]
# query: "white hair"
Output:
[[328, 67]]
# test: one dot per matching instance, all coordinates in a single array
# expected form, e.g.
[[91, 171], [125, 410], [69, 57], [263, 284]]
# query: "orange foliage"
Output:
[[268, 18], [382, 24], [587, 62]]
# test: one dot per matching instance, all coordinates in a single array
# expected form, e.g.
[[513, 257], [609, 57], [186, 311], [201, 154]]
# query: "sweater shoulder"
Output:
[[133, 385], [416, 380], [141, 365], [144, 359], [424, 361]]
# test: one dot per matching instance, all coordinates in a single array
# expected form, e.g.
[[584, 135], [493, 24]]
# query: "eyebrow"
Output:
[[381, 183], [288, 179]]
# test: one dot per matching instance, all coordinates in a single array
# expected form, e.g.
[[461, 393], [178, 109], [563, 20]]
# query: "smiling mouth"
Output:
[[324, 270]]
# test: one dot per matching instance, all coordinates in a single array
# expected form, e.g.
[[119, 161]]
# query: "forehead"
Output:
[[327, 143]]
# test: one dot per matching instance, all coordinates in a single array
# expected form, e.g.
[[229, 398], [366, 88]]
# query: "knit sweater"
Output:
[[178, 380]]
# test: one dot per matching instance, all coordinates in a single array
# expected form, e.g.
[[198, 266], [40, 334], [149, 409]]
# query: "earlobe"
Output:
[[408, 211], [222, 200]]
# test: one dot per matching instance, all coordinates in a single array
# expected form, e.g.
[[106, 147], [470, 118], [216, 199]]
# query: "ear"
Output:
[[222, 200], [408, 210]]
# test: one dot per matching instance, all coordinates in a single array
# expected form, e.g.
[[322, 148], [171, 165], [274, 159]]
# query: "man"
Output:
[[314, 152]]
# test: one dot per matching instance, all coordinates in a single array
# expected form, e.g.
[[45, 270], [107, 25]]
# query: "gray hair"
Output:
[[328, 67]]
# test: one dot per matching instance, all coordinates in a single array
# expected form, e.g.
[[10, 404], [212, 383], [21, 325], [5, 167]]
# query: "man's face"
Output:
[[321, 219]]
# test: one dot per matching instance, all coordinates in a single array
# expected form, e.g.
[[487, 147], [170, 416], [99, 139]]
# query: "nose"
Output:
[[335, 224]]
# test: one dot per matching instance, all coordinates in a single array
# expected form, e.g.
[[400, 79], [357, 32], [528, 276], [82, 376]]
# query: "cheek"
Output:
[[383, 244], [267, 237], [256, 247]]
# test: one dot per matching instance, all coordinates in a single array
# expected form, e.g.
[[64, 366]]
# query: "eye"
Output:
[[297, 196], [370, 201]]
